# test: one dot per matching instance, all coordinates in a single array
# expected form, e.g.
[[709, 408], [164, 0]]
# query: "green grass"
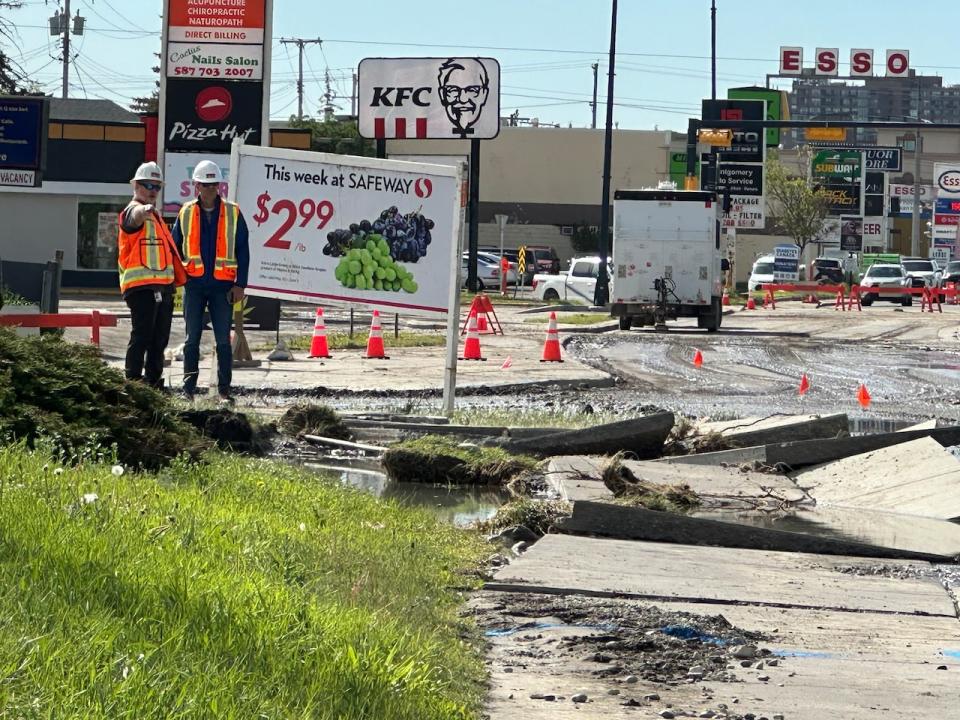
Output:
[[238, 589], [343, 341], [438, 460], [573, 318], [497, 299]]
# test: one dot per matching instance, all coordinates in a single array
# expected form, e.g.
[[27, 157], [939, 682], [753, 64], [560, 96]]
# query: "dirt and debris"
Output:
[[441, 461], [311, 419], [625, 640], [627, 487], [231, 430]]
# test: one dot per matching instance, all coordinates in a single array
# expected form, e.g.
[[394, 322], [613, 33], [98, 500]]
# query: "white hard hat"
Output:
[[207, 172], [149, 171]]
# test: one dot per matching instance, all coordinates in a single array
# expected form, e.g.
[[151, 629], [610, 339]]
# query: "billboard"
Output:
[[215, 60], [217, 21], [786, 263], [23, 140], [778, 107], [178, 172], [205, 116], [748, 145], [436, 98], [746, 211], [851, 234], [383, 233]]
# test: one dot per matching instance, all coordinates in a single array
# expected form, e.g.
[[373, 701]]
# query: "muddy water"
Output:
[[750, 375], [460, 506]]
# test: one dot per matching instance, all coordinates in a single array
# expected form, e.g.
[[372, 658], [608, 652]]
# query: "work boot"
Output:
[[225, 398]]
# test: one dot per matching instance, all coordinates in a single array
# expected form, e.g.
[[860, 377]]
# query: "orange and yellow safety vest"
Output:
[[144, 256], [225, 263]]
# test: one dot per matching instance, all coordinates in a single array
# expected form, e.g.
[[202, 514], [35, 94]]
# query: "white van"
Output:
[[762, 273]]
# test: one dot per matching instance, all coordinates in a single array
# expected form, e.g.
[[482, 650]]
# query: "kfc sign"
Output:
[[827, 62]]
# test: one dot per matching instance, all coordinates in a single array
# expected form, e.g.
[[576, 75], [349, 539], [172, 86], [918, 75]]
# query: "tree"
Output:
[[13, 81], [335, 136], [585, 238], [799, 208], [150, 103]]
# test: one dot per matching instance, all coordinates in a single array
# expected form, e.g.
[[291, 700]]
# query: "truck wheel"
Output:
[[907, 301], [625, 322], [711, 320], [551, 296]]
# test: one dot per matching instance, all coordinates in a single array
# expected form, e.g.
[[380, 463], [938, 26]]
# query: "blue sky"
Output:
[[545, 48]]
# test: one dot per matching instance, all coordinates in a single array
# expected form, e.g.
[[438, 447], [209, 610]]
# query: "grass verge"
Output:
[[235, 589], [573, 319], [439, 460]]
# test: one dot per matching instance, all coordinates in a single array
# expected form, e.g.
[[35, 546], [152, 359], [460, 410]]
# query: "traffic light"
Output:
[[715, 137]]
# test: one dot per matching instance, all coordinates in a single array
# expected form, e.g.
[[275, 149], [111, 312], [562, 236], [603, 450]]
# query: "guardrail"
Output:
[[93, 320]]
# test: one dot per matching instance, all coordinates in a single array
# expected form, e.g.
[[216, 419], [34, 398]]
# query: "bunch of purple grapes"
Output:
[[407, 235]]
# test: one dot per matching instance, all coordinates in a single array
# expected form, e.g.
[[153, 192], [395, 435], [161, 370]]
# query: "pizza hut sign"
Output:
[[826, 62], [206, 115]]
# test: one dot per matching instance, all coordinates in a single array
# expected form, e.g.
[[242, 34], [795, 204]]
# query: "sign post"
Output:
[[504, 266]]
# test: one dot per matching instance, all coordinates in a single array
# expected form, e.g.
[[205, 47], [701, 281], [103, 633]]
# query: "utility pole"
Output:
[[713, 49], [300, 43], [354, 99], [918, 144], [593, 105], [602, 291], [66, 49]]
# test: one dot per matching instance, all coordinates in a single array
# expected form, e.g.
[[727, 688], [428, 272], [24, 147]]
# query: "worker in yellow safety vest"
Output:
[[213, 239], [145, 261]]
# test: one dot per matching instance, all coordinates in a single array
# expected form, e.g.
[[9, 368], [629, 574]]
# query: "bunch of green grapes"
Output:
[[372, 268]]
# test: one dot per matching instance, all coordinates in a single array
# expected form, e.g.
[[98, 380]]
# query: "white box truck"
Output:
[[666, 258]]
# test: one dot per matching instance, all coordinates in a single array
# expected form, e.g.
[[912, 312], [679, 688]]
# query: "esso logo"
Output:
[[423, 187], [950, 181]]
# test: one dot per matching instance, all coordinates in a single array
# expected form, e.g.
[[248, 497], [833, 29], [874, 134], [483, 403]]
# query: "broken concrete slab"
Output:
[[806, 453], [643, 436], [578, 478], [926, 425], [826, 531], [659, 571], [781, 428], [468, 431], [871, 663], [918, 477]]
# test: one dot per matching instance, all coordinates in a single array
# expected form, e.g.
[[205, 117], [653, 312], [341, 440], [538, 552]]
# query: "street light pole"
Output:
[[713, 49], [602, 293]]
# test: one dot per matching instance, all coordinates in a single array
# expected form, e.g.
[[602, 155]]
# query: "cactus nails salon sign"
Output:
[[215, 60]]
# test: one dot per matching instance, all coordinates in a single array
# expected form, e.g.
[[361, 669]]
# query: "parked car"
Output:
[[827, 269], [577, 285], [951, 273], [921, 272], [544, 259], [488, 274], [761, 273], [495, 259], [885, 276]]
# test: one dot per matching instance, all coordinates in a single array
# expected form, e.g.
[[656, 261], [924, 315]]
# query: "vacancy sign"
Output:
[[217, 21]]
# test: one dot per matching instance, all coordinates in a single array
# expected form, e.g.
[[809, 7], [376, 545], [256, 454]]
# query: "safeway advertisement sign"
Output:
[[217, 21], [357, 230], [437, 98]]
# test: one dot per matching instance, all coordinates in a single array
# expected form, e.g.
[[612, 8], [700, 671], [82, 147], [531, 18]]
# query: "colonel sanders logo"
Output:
[[464, 89]]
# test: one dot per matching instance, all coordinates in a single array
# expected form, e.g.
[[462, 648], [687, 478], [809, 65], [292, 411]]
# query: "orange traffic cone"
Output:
[[551, 346], [698, 359], [471, 348], [804, 385], [375, 349], [726, 298], [863, 396], [751, 303], [318, 346]]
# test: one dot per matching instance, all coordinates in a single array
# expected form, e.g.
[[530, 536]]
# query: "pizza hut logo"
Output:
[[213, 104]]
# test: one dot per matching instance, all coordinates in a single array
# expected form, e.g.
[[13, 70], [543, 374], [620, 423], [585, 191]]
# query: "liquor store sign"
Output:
[[215, 60], [216, 21]]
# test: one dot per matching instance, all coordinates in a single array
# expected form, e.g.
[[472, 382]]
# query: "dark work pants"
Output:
[[149, 336], [212, 297]]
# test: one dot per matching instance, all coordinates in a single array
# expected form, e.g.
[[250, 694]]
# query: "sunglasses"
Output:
[[153, 187], [210, 185]]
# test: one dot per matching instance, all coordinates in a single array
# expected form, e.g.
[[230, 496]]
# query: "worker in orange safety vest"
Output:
[[145, 262], [214, 243]]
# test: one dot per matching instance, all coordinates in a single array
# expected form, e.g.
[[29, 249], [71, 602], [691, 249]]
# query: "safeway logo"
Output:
[[423, 187]]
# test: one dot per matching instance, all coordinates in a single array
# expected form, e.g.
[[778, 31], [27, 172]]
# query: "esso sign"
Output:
[[949, 181], [827, 62]]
